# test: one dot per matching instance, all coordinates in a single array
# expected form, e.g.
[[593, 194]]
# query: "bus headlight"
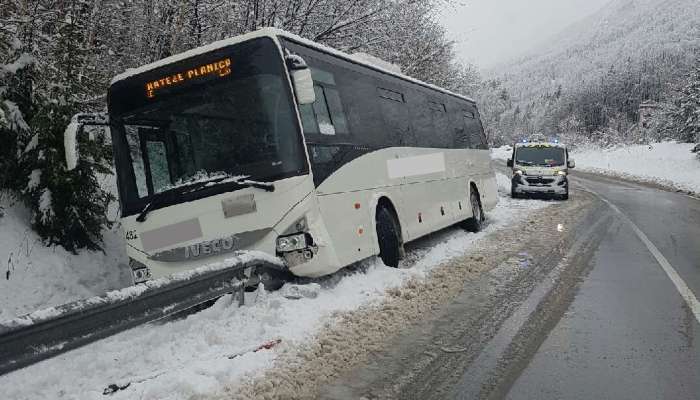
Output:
[[139, 271], [291, 243]]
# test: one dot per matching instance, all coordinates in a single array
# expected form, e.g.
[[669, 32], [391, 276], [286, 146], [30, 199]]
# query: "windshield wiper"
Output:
[[167, 195], [267, 186], [523, 162]]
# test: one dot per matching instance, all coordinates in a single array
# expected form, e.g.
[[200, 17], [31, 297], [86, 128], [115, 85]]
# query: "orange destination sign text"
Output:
[[221, 68]]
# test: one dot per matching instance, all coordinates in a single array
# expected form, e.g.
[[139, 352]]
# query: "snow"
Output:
[[135, 290], [189, 358], [32, 143], [502, 153], [376, 61], [34, 179], [21, 62], [39, 277], [14, 116], [204, 176], [667, 163], [46, 205]]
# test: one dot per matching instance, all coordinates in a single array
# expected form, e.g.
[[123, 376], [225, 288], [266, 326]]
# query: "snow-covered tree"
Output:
[[687, 113], [45, 80]]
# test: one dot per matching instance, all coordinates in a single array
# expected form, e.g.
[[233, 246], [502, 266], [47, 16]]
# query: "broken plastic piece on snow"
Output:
[[113, 388], [454, 349], [265, 346], [296, 292]]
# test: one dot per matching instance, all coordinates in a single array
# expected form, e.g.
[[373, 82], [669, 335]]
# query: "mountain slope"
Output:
[[623, 31]]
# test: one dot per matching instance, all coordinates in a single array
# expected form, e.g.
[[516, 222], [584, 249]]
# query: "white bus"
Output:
[[271, 142]]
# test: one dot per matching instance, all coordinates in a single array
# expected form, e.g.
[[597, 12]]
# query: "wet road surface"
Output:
[[613, 313], [629, 334]]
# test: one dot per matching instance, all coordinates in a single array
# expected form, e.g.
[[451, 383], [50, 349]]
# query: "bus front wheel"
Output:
[[388, 237]]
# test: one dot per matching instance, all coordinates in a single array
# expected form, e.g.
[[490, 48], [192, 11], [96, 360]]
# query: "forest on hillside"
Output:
[[627, 74]]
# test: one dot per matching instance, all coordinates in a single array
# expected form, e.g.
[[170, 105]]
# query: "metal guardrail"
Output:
[[85, 321]]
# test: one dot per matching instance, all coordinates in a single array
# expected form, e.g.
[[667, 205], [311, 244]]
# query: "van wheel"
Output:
[[476, 223], [388, 237]]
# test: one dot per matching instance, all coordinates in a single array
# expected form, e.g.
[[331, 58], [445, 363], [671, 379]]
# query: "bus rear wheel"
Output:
[[388, 237]]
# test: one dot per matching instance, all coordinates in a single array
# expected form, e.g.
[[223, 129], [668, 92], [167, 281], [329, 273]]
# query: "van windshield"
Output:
[[546, 156]]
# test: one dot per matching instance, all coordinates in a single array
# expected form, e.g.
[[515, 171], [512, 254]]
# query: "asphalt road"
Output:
[[629, 333], [613, 314]]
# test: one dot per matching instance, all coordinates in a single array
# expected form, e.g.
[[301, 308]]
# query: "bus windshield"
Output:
[[227, 114], [547, 156]]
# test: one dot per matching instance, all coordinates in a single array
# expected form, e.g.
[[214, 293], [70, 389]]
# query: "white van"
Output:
[[540, 168]]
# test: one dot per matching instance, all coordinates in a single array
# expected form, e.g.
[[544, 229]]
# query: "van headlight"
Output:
[[518, 172], [562, 173], [291, 243]]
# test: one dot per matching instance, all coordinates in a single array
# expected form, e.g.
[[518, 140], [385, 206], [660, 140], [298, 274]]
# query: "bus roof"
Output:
[[274, 32]]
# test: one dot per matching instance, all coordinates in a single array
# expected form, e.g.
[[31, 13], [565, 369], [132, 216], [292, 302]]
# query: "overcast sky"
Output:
[[492, 31]]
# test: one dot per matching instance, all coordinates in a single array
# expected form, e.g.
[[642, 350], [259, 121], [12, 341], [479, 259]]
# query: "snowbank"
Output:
[[39, 277], [669, 164], [502, 153], [188, 358], [36, 276]]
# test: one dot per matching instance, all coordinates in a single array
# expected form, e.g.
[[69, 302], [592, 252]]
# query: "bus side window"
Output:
[[308, 119], [326, 115], [397, 128], [441, 125], [323, 115], [474, 130]]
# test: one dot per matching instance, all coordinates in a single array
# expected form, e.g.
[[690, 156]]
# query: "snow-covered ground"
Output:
[[188, 358], [35, 276], [668, 163]]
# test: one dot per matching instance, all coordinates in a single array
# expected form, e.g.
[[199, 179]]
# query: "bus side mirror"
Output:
[[509, 163], [571, 164], [301, 78], [70, 143], [76, 128]]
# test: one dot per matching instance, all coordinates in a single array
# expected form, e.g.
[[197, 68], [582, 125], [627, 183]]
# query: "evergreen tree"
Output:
[[69, 207], [687, 115]]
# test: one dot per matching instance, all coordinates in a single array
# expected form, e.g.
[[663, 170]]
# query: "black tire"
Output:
[[476, 223], [388, 237]]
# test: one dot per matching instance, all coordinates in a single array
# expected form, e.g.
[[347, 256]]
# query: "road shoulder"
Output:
[[377, 351]]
